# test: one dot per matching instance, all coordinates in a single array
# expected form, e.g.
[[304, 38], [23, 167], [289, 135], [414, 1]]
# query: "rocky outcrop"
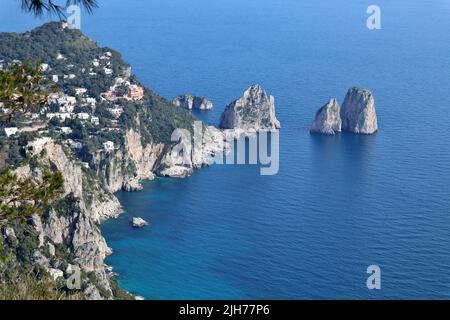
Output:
[[190, 102], [254, 111], [358, 112], [138, 222], [186, 155], [144, 158], [123, 168], [328, 119]]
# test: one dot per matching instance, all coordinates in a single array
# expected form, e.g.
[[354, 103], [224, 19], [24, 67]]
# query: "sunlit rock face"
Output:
[[255, 110], [358, 112], [328, 119]]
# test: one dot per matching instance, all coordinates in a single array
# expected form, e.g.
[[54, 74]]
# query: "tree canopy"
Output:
[[20, 198], [22, 89], [39, 7]]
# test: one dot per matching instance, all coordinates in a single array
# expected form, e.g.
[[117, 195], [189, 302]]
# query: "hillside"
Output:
[[104, 132]]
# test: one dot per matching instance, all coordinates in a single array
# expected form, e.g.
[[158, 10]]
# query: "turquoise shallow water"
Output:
[[338, 204]]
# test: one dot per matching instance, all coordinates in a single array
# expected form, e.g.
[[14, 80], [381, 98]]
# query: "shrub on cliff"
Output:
[[20, 198]]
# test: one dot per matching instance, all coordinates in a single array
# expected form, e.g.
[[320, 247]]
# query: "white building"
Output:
[[95, 121], [71, 100], [108, 146], [66, 130], [60, 115], [10, 131], [116, 111], [83, 116], [55, 78], [72, 76], [107, 71], [66, 109], [91, 101], [79, 91]]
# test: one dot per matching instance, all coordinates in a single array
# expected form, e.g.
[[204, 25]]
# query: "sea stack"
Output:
[[190, 102], [139, 222], [328, 119], [358, 112], [254, 111]]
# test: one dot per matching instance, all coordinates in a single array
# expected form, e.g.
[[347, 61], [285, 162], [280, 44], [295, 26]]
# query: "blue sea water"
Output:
[[338, 204]]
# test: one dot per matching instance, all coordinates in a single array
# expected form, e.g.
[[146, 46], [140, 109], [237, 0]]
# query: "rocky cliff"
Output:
[[328, 119], [189, 155], [72, 224], [254, 111]]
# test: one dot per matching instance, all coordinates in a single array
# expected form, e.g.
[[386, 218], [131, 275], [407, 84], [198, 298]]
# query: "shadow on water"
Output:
[[354, 147], [324, 145]]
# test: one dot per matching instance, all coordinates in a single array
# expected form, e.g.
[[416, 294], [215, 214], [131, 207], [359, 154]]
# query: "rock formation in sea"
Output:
[[328, 119], [190, 102], [177, 164], [358, 112], [139, 222], [254, 111]]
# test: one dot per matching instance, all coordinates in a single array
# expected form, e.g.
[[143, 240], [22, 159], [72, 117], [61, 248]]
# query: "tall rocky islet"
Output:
[[357, 114]]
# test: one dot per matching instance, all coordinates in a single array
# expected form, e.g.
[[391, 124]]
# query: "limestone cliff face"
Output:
[[77, 226], [254, 111], [187, 155], [116, 170], [144, 158], [358, 112], [328, 119], [90, 199], [190, 102], [122, 169]]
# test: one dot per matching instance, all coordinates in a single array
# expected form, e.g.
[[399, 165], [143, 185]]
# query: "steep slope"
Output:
[[104, 132]]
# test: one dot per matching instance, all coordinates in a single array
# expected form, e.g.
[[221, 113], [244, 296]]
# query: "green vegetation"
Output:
[[29, 286], [20, 198], [158, 117], [19, 277], [38, 7], [23, 89]]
